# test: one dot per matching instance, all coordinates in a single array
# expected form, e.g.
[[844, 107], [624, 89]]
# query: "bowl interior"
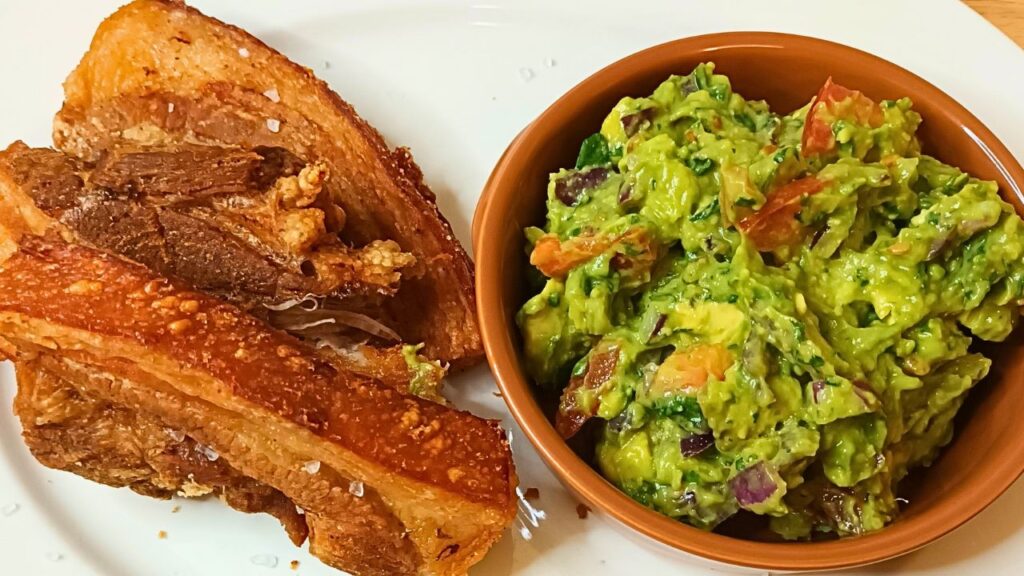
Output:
[[786, 71]]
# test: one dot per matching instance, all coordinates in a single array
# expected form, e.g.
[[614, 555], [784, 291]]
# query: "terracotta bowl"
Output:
[[987, 453]]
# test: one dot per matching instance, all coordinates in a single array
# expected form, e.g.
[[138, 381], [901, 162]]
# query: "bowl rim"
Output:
[[587, 483]]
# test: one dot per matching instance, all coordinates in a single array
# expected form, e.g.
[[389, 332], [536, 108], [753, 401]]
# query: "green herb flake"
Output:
[[594, 152], [700, 165]]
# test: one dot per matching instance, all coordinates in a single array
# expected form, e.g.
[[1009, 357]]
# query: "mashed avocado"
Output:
[[425, 375], [764, 312]]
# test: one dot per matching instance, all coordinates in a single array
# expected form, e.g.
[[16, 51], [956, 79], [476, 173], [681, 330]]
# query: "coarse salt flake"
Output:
[[274, 125], [311, 467], [243, 52], [207, 452], [355, 488], [272, 95]]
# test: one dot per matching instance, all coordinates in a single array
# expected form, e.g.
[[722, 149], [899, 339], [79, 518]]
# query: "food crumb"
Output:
[[526, 74], [10, 509], [162, 535], [176, 509], [531, 494], [550, 62], [498, 394], [54, 556], [179, 327], [294, 564], [582, 510]]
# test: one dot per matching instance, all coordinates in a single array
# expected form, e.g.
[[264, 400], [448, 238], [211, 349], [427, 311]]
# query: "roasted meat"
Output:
[[159, 73], [223, 282], [214, 229], [390, 483], [239, 224], [69, 428]]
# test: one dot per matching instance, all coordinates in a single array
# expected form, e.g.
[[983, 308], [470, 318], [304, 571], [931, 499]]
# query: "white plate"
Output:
[[455, 81]]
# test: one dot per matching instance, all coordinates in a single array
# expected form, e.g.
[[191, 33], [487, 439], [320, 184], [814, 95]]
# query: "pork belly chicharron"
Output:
[[226, 221], [253, 226], [161, 73], [206, 195], [69, 426], [390, 483]]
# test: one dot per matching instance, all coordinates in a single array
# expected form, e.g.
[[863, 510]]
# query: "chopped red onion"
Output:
[[625, 192], [817, 388], [696, 444], [658, 325], [570, 188], [631, 123], [753, 485], [937, 245]]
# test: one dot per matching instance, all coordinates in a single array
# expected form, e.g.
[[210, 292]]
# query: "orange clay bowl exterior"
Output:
[[987, 452]]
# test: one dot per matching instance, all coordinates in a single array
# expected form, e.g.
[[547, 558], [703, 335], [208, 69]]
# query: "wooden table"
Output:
[[1007, 15]]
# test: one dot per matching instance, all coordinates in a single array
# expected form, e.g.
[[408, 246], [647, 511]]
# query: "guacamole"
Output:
[[766, 312]]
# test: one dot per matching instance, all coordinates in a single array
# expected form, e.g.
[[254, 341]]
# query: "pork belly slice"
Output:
[[253, 226], [434, 487], [161, 73], [177, 211], [69, 425]]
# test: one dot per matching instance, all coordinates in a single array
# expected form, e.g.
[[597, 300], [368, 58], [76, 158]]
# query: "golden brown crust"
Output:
[[67, 427], [158, 70], [439, 483], [84, 289], [346, 529]]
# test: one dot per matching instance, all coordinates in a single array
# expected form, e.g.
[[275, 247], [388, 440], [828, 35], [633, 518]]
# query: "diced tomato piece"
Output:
[[835, 102], [687, 371], [571, 415], [775, 224], [555, 258], [817, 137]]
